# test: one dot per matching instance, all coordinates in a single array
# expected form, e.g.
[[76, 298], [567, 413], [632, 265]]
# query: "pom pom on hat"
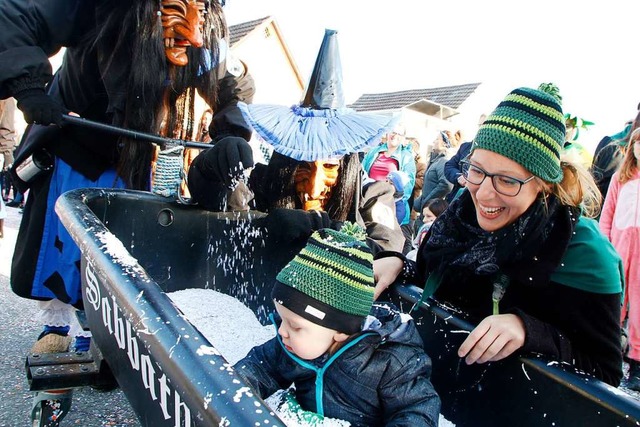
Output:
[[528, 127], [330, 282]]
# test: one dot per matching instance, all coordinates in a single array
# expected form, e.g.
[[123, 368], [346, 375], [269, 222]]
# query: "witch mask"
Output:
[[182, 23], [314, 181]]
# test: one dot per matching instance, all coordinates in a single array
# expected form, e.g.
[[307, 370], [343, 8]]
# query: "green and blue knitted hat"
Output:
[[330, 282], [527, 127]]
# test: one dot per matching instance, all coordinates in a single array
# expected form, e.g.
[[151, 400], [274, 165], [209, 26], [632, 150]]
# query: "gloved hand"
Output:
[[286, 226], [227, 160], [38, 107]]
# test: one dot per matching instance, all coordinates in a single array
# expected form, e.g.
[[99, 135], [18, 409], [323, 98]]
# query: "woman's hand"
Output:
[[385, 272], [495, 338]]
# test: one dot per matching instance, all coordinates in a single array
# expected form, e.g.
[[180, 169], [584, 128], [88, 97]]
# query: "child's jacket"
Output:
[[379, 377]]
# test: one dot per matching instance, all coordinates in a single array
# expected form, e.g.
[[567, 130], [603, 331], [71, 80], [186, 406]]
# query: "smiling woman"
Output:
[[516, 254]]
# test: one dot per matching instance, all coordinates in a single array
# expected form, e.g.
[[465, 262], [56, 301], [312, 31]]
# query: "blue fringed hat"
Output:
[[320, 127]]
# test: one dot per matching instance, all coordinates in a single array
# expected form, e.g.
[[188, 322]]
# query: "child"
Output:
[[620, 222], [431, 210], [348, 358], [399, 180]]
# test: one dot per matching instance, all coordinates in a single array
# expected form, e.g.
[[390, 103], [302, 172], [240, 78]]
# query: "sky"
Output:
[[585, 48]]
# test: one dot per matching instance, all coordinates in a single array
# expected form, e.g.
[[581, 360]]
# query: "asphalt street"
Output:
[[18, 331]]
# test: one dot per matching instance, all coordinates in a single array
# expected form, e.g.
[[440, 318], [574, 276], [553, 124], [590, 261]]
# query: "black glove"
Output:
[[38, 107], [229, 122], [287, 226], [226, 161]]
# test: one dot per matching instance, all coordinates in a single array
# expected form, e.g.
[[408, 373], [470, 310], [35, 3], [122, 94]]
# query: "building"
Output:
[[424, 111], [260, 45]]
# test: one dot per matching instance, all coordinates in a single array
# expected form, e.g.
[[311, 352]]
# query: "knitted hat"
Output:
[[399, 179], [527, 127], [330, 282]]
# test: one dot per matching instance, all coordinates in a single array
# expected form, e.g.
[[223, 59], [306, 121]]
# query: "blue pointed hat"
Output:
[[320, 127]]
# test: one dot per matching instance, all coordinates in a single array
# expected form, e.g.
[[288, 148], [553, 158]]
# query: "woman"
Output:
[[517, 251], [620, 222], [393, 156], [436, 185]]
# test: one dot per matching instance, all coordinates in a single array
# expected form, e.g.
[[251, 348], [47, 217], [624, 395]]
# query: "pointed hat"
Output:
[[320, 127]]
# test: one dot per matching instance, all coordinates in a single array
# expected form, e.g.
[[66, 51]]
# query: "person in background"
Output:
[[609, 153], [620, 222], [421, 168], [431, 210], [7, 143], [518, 252], [436, 185], [399, 180], [390, 156], [574, 150], [349, 358], [453, 166], [3, 209]]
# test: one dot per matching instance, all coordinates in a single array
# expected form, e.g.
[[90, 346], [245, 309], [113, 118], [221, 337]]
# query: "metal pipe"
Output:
[[134, 134]]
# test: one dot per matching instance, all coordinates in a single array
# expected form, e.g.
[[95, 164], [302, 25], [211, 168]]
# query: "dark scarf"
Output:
[[457, 243]]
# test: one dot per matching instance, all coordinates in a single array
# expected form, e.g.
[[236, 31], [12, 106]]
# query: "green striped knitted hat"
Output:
[[527, 127], [330, 282]]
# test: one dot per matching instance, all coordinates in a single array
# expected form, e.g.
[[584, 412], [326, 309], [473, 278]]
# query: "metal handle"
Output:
[[134, 134]]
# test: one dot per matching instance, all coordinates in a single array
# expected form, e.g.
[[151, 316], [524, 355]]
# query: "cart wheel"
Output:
[[50, 407]]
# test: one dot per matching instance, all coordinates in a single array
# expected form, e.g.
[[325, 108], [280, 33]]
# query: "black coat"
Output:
[[563, 322], [31, 32]]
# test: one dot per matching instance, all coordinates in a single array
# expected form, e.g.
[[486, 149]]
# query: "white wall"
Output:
[[266, 59]]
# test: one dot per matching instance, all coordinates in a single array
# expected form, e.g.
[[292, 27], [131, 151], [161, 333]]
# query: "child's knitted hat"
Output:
[[330, 282], [399, 179], [527, 127]]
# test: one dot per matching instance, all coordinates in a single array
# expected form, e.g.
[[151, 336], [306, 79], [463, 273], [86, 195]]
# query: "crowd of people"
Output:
[[503, 225]]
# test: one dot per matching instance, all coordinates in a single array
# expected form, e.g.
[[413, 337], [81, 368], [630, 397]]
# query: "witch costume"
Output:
[[125, 64], [319, 132]]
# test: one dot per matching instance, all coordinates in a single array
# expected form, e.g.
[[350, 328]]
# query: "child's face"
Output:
[[428, 216], [303, 338]]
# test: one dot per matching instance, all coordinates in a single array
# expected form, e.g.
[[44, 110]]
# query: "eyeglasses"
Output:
[[503, 184]]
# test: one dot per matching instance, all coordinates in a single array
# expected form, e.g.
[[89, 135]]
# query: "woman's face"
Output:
[[494, 210], [395, 139]]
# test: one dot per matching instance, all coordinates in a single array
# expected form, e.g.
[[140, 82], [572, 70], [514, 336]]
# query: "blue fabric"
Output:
[[59, 330], [307, 134], [82, 344], [57, 272], [381, 380]]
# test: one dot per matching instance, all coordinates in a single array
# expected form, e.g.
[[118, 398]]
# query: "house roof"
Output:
[[446, 96], [238, 31]]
